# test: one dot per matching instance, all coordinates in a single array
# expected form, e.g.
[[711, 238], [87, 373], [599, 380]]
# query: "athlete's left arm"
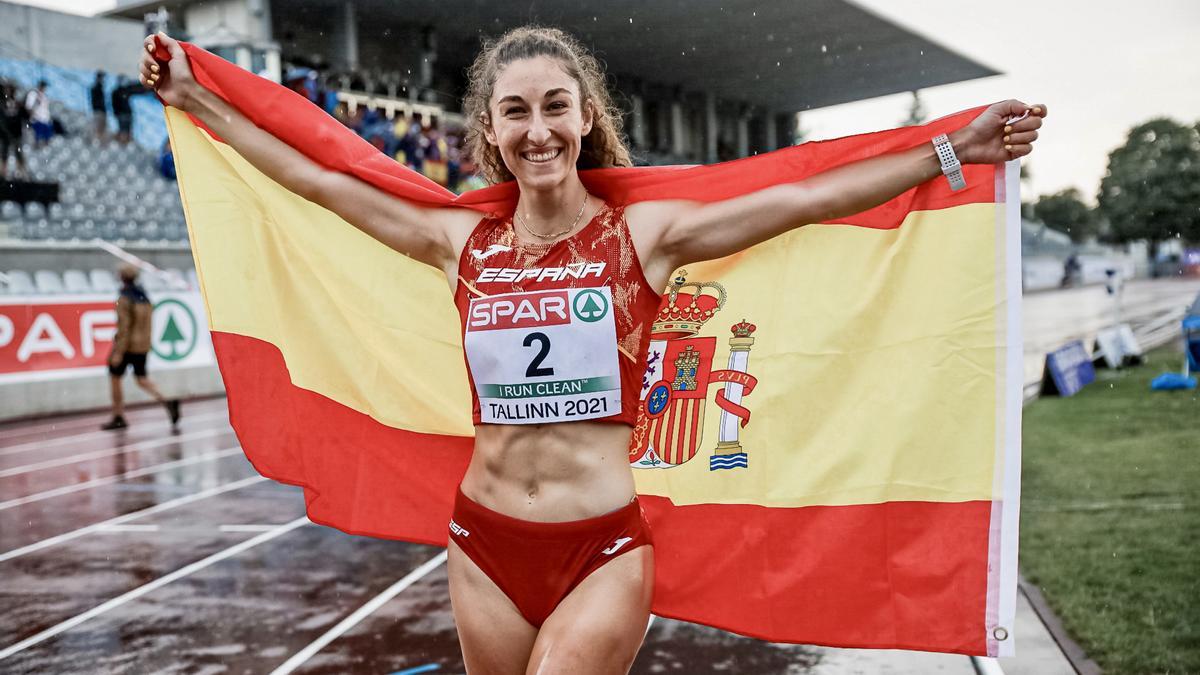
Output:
[[694, 231]]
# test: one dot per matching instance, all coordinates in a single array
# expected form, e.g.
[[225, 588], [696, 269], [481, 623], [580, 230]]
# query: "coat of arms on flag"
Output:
[[679, 371]]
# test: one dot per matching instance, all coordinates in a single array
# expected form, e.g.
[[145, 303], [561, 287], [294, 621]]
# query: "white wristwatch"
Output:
[[950, 164]]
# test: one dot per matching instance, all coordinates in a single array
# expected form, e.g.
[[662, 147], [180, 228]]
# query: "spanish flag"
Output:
[[829, 446]]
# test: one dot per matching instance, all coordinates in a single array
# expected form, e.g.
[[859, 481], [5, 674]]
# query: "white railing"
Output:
[[392, 106]]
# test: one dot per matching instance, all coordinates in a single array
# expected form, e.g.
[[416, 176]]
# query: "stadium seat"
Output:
[[48, 282], [10, 211], [20, 283], [62, 229], [56, 210], [34, 210], [87, 229], [103, 281], [75, 281]]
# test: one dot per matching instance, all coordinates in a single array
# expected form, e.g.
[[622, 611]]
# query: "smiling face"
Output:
[[537, 121]]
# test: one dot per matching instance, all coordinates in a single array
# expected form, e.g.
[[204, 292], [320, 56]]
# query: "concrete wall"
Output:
[[68, 40], [80, 393]]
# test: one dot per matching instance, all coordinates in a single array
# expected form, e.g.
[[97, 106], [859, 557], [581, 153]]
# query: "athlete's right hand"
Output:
[[172, 79]]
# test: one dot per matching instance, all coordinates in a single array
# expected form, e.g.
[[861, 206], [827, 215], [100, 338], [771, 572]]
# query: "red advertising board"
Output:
[[49, 335], [52, 336]]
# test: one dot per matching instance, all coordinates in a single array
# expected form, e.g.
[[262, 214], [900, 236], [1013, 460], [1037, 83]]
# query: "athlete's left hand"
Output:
[[992, 139]]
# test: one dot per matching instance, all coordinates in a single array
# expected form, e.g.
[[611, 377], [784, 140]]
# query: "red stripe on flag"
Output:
[[358, 475], [897, 575]]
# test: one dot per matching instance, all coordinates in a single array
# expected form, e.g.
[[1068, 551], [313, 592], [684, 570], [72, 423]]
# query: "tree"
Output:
[[1152, 187], [916, 111], [1065, 211]]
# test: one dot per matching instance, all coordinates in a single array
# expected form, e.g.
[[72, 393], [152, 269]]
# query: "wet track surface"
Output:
[[147, 551]]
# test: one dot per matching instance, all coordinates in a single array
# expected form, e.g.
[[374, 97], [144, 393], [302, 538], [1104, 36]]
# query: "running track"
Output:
[[142, 551]]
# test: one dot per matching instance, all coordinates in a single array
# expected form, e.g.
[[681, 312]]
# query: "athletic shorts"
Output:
[[538, 564], [138, 361], [42, 131]]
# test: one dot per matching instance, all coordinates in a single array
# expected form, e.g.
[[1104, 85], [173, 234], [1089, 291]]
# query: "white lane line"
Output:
[[106, 480], [118, 528], [245, 528], [112, 452], [150, 587], [359, 614], [119, 520], [91, 421], [63, 440]]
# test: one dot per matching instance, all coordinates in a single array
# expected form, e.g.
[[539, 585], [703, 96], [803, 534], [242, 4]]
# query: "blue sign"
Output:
[[1068, 368]]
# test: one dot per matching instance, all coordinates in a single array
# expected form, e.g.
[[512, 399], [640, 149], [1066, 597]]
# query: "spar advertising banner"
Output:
[[49, 337]]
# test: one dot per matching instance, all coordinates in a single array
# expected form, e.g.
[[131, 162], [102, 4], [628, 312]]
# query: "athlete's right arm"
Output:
[[431, 235]]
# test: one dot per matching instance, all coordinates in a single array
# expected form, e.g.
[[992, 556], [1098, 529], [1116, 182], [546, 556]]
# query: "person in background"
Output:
[[38, 106], [99, 108], [12, 127], [130, 347], [166, 160], [122, 109]]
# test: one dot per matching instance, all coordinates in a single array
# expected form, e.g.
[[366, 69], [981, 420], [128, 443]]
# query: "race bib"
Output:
[[544, 356]]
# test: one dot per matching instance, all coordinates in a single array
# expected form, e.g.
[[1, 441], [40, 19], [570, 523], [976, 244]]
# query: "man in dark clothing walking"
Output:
[[99, 108], [130, 347]]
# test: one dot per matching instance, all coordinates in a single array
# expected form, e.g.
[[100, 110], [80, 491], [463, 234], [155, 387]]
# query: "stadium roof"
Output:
[[782, 56]]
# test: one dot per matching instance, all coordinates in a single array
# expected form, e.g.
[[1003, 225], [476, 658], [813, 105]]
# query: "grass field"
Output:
[[1110, 522]]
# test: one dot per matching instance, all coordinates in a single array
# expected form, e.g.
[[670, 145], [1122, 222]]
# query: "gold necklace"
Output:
[[556, 235]]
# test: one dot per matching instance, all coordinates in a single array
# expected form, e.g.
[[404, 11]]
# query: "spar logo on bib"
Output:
[[590, 305], [521, 310]]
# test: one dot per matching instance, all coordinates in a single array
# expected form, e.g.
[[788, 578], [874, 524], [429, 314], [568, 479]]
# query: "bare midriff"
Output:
[[551, 472]]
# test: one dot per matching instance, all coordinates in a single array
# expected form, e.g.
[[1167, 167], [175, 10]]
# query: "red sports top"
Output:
[[493, 253]]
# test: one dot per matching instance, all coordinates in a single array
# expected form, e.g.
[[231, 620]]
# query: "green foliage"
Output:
[[1065, 211], [1110, 518], [1152, 188]]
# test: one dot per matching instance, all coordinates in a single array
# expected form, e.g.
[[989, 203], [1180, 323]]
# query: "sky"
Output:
[[1100, 67]]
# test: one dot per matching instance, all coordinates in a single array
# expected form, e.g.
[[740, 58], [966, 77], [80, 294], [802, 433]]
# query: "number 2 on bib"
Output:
[[544, 356]]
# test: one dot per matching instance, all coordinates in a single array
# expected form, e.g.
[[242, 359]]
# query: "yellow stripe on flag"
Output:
[[265, 257], [876, 358]]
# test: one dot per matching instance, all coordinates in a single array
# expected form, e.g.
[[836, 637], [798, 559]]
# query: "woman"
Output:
[[550, 564]]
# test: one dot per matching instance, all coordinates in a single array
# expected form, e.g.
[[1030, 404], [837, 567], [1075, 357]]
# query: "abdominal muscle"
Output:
[[551, 472]]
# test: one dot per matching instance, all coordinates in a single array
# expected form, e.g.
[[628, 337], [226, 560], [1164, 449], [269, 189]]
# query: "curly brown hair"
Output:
[[604, 146]]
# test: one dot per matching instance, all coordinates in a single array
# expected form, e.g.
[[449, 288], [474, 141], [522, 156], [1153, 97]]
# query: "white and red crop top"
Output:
[[555, 332]]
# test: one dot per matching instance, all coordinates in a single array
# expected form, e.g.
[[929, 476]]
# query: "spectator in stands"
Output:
[[37, 103], [121, 108], [130, 347], [12, 126], [99, 108], [166, 160]]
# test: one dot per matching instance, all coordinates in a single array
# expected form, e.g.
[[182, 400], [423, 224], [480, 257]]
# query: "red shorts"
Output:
[[537, 564]]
